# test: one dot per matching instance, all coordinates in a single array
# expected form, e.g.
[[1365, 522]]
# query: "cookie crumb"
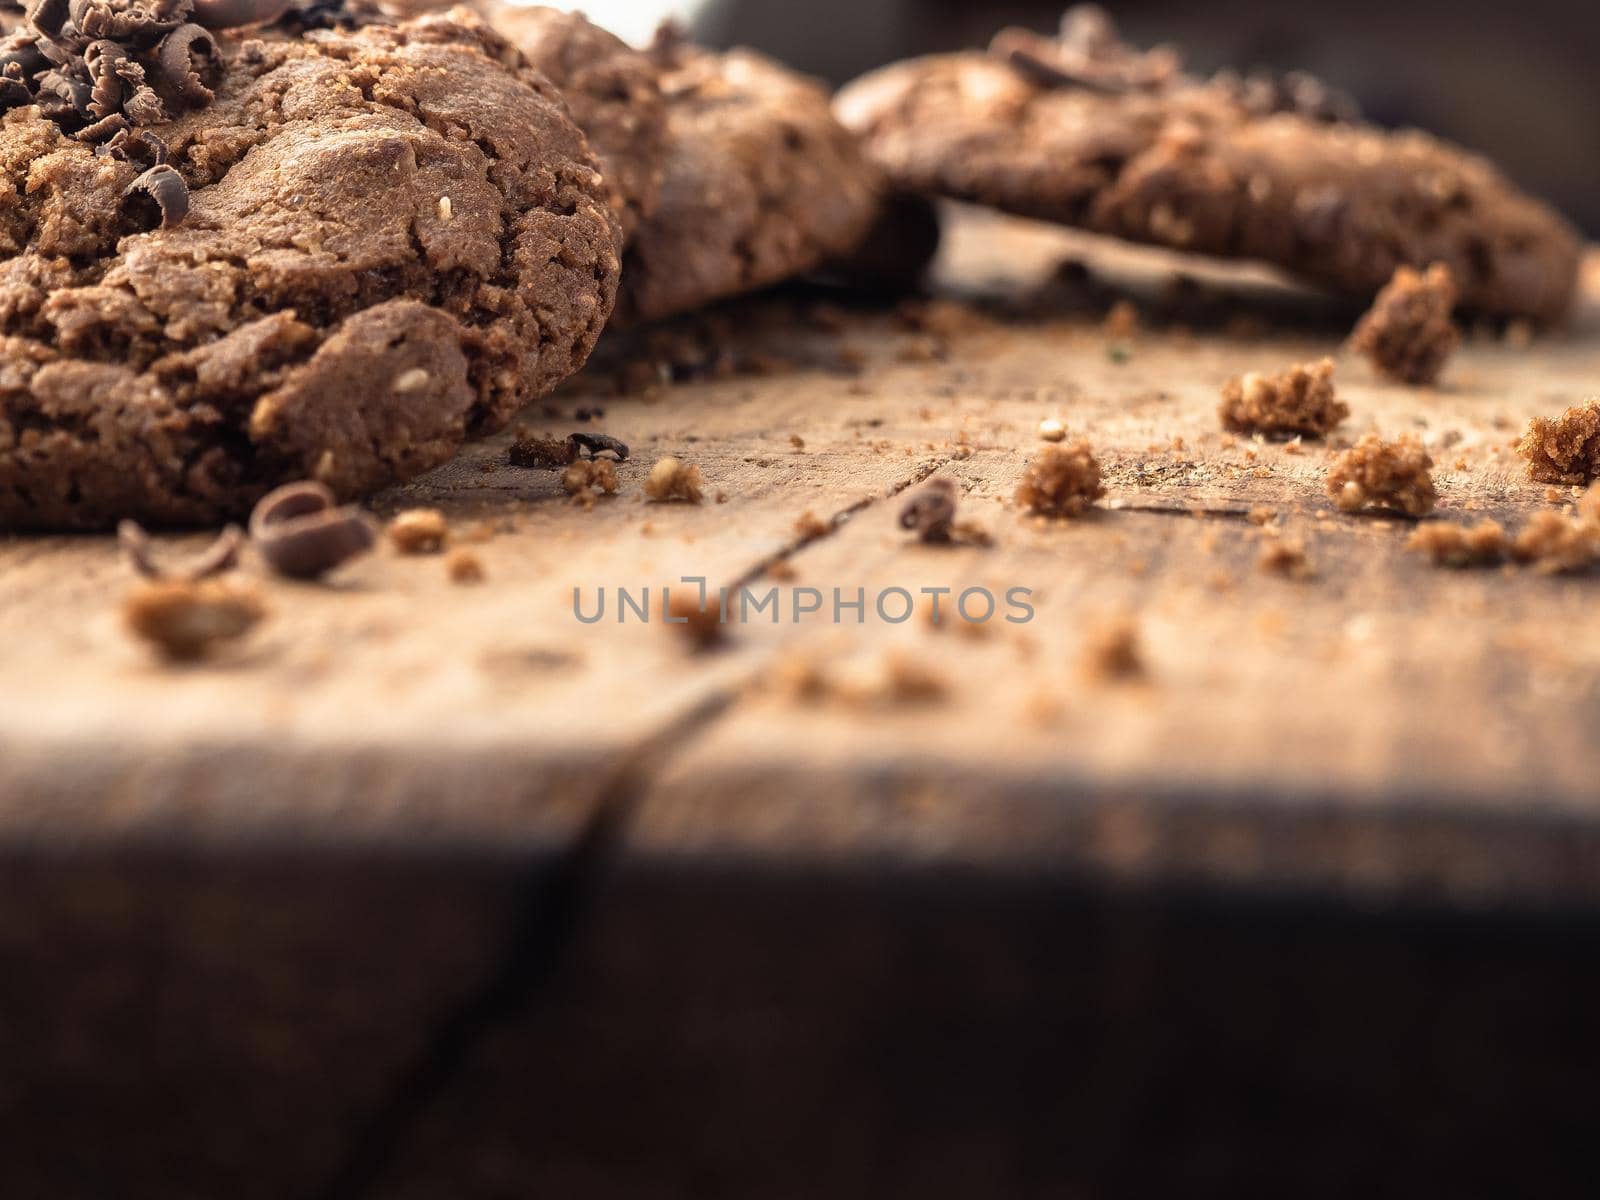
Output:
[[1285, 556], [671, 479], [419, 531], [587, 476], [1556, 544], [810, 526], [702, 626], [1565, 449], [908, 680], [1112, 652], [1407, 333], [1298, 401], [1261, 515], [1052, 430], [1121, 322], [798, 442], [541, 452], [463, 566], [1519, 333], [1378, 474], [185, 619], [1062, 481], [1449, 545]]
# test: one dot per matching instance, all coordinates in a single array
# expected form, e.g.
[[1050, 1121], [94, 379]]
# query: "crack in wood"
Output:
[[552, 909], [833, 524]]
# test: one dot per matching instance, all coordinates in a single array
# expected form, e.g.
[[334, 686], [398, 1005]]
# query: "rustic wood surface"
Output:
[[1384, 723], [429, 888]]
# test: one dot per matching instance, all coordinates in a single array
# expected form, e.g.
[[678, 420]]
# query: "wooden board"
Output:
[[1289, 731], [422, 863]]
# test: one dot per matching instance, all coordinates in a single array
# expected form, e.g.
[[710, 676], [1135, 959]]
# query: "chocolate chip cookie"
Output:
[[1083, 130], [761, 183], [613, 92], [362, 248]]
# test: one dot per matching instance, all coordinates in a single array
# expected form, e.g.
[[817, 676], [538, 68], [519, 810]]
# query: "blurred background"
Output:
[[1519, 81]]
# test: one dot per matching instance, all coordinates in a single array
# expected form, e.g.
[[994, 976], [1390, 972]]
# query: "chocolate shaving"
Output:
[[100, 67], [931, 512], [167, 188], [300, 533], [222, 555], [189, 57], [599, 443], [48, 16]]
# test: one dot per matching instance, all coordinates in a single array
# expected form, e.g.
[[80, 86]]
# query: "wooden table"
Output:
[[432, 889]]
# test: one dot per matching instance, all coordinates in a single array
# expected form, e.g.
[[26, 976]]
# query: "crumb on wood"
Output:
[[1261, 515], [1121, 321], [463, 566], [1052, 430], [1113, 651], [541, 451], [1062, 481], [811, 527], [1389, 475], [671, 479], [1285, 555], [1407, 333], [702, 627], [895, 678], [587, 476], [942, 319], [920, 350], [1298, 401], [906, 679], [185, 619], [1519, 333], [419, 531], [1557, 544], [1451, 545], [1564, 449], [798, 442]]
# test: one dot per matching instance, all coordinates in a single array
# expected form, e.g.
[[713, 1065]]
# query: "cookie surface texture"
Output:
[[762, 184], [390, 245]]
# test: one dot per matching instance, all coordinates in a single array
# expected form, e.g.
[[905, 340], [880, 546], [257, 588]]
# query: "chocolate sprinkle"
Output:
[[599, 443], [300, 533], [222, 555], [99, 68], [931, 512]]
